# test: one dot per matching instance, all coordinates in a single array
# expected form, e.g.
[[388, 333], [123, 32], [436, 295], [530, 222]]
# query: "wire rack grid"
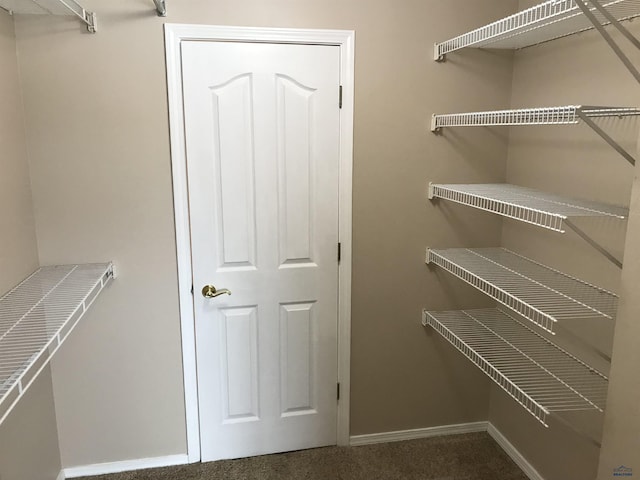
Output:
[[35, 319], [539, 375], [524, 204], [51, 7], [547, 21], [562, 115], [539, 293]]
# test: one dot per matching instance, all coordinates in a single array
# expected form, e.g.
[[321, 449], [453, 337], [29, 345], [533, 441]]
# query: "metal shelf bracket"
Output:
[[86, 16], [612, 143], [601, 250], [161, 7], [582, 5]]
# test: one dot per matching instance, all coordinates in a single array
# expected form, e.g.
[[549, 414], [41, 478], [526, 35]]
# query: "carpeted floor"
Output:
[[473, 456]]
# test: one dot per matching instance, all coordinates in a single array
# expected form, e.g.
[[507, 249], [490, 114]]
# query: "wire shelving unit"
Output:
[[538, 374], [51, 7], [37, 316], [563, 115], [537, 292], [548, 21]]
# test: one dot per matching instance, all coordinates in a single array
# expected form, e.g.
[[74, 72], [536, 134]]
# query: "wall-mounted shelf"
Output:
[[530, 206], [542, 377], [548, 21], [537, 292], [51, 7], [524, 204], [565, 115], [37, 316]]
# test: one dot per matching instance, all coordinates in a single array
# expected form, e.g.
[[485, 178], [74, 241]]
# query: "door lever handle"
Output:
[[209, 291]]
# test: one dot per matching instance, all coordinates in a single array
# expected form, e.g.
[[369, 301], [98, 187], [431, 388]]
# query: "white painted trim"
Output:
[[401, 435], [500, 439], [515, 455], [183, 241], [61, 475], [125, 466], [174, 35]]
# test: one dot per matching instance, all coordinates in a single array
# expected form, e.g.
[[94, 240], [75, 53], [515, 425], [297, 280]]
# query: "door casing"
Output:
[[175, 34]]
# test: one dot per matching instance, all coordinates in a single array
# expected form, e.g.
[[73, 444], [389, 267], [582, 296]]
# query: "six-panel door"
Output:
[[262, 140]]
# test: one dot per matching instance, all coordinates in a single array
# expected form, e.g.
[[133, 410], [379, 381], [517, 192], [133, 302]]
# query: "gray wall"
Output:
[[28, 438], [96, 113], [621, 441], [578, 70]]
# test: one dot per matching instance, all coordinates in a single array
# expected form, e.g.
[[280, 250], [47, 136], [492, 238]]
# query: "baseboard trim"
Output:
[[124, 466], [355, 440], [513, 452], [369, 439]]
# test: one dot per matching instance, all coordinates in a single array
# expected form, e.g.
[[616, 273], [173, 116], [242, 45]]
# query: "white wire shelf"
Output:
[[547, 21], [562, 115], [524, 204], [539, 375], [537, 292], [51, 7], [35, 319]]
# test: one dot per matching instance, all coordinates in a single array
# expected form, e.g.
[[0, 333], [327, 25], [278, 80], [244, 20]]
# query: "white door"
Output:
[[262, 141]]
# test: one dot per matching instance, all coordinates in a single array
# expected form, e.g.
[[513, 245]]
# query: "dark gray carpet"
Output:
[[473, 456]]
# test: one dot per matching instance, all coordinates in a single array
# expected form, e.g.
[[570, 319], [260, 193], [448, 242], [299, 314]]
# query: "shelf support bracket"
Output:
[[607, 138], [86, 16], [593, 243], [576, 429], [161, 7], [582, 5]]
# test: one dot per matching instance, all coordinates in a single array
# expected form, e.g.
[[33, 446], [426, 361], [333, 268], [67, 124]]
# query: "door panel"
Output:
[[235, 203], [262, 141], [296, 359]]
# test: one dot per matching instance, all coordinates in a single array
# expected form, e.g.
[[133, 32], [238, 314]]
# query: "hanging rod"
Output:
[[51, 7], [161, 7], [564, 115]]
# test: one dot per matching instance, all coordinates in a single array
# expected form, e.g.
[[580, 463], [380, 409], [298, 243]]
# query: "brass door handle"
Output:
[[209, 291]]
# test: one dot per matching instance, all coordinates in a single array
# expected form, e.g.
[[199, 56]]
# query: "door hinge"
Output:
[[340, 99], [191, 289], [339, 252], [338, 395]]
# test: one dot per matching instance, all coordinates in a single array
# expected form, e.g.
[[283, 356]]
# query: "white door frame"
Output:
[[175, 34]]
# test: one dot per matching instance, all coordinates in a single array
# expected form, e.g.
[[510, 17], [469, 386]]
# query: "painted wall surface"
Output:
[[28, 437], [621, 440], [19, 252], [571, 160], [96, 112]]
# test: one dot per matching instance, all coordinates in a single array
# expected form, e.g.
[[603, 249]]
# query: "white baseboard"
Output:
[[414, 434], [499, 438], [355, 440], [124, 466], [515, 455]]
